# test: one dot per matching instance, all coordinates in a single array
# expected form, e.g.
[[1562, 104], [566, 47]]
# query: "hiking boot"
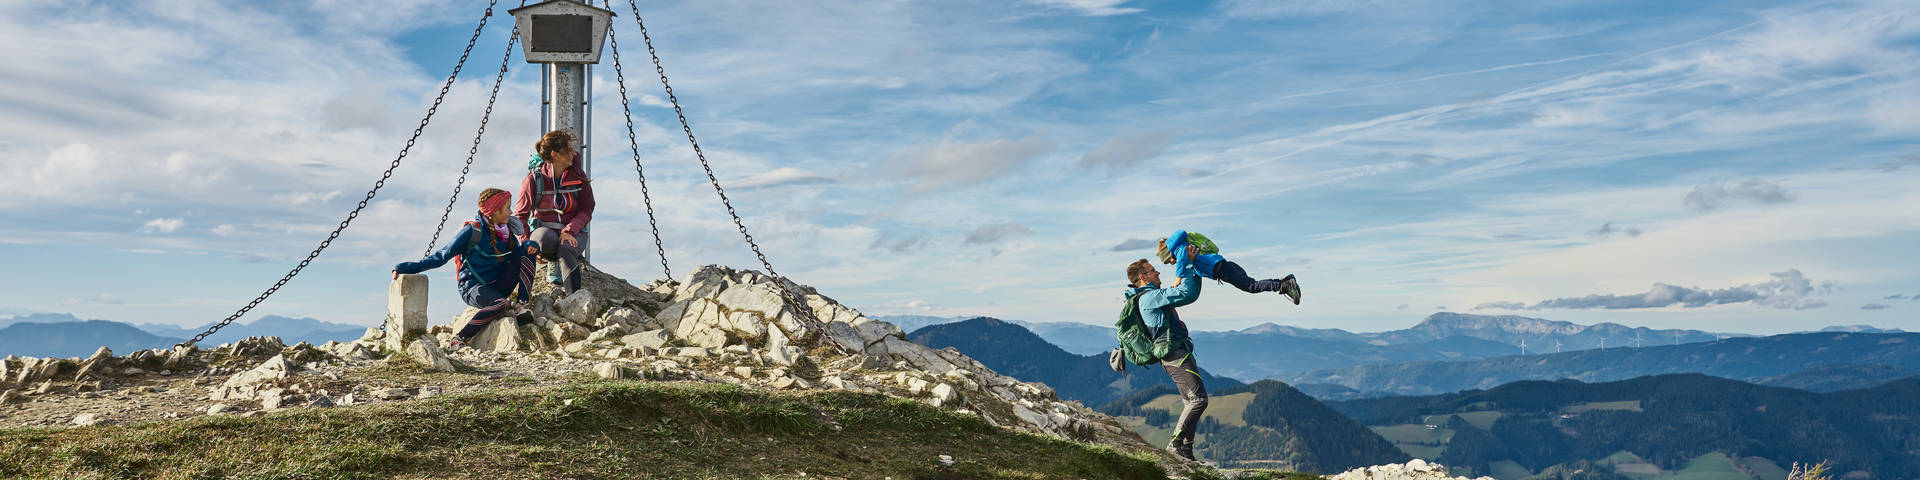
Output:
[[1182, 450], [1290, 288], [457, 343]]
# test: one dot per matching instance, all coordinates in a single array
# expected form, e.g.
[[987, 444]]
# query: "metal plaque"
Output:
[[562, 33]]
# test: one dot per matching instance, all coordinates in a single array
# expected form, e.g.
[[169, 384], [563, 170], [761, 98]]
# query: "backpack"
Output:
[[1137, 344], [1203, 243]]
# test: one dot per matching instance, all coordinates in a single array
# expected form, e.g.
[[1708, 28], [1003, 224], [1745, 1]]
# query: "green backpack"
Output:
[[1205, 244], [1135, 344]]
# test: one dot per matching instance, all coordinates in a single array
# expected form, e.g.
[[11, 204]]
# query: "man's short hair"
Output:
[[1135, 269]]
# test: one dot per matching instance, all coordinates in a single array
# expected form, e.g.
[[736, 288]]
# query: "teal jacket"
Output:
[[1157, 305], [1201, 265]]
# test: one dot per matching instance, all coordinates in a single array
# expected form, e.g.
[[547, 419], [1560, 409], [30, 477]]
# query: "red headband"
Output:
[[492, 204]]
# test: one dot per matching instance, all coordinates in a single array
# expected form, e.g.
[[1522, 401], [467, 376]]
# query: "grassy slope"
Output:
[[624, 429]]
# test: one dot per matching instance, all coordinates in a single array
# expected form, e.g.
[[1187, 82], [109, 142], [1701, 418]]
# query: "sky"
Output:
[[1740, 166]]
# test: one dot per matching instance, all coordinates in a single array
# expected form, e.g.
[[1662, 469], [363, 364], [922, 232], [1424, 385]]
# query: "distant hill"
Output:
[[1655, 425], [1279, 351], [290, 330], [1014, 351], [1833, 378], [1861, 329], [39, 318], [76, 339], [1265, 424], [1748, 357]]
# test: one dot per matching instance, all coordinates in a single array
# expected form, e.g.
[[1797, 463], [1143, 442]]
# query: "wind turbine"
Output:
[[1556, 345], [1636, 339], [1603, 343], [1676, 337], [1523, 346]]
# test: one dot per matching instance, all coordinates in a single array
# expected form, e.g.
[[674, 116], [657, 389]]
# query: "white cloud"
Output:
[[162, 225], [1715, 195], [1788, 290], [951, 164], [997, 232], [1126, 150], [1098, 8], [223, 229], [101, 299], [780, 177]]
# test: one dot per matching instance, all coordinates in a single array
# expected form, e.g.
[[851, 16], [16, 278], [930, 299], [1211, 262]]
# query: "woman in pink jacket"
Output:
[[555, 203]]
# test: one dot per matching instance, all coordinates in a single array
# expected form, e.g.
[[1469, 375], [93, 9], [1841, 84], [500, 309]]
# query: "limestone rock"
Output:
[[406, 310], [392, 394], [692, 352], [944, 394], [655, 339], [610, 331], [777, 347], [608, 371], [11, 396], [502, 335], [626, 318], [581, 306], [567, 332], [220, 409], [373, 335], [708, 338], [427, 353]]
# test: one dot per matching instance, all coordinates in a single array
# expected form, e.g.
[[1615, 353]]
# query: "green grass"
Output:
[[1763, 469], [1226, 409], [623, 429], [1483, 419], [1413, 433], [1629, 405], [1712, 466], [1508, 470]]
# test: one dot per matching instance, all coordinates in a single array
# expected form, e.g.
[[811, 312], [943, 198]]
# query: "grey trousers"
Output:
[[565, 257], [1186, 375]]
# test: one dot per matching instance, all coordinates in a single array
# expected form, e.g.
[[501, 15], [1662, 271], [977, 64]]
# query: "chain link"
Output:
[[444, 86], [633, 141], [684, 126], [475, 149]]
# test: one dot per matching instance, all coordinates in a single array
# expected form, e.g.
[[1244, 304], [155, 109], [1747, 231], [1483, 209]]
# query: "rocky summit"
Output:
[[717, 325]]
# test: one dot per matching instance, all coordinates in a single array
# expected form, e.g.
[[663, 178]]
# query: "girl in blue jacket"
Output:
[[1187, 260], [489, 264]]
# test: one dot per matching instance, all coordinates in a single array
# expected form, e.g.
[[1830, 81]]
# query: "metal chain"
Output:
[[684, 126], [633, 141], [444, 86], [475, 149]]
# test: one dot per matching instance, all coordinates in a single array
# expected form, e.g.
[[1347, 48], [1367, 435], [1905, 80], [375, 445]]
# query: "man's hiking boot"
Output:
[[1182, 450], [1290, 288]]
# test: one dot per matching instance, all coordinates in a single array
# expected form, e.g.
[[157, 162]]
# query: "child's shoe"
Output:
[[1290, 288]]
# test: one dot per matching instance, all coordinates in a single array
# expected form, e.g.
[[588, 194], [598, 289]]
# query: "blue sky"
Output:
[[1730, 166]]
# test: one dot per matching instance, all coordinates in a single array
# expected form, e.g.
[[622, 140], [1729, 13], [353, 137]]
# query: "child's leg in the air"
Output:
[[1227, 271]]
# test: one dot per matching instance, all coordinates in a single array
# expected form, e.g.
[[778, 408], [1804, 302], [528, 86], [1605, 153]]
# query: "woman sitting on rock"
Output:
[[488, 263], [556, 202]]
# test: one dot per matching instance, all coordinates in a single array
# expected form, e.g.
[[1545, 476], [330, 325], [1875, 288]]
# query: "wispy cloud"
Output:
[[1099, 8], [1788, 290], [997, 232], [898, 244], [162, 225], [1607, 229], [1716, 195], [781, 177], [952, 164], [1126, 150], [1132, 244], [1875, 306], [101, 299]]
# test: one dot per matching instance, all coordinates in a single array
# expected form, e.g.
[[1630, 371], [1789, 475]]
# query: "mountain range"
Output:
[[1739, 358], [64, 335], [1014, 351], [1654, 427], [1279, 351]]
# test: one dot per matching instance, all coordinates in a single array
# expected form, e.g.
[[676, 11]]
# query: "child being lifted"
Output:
[[1193, 251]]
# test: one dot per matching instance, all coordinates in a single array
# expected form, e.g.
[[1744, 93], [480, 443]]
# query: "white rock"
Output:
[[605, 333], [945, 394], [743, 372], [220, 409], [655, 339], [777, 347], [626, 318], [426, 352], [692, 352], [87, 419], [580, 307], [711, 338], [406, 310], [946, 460], [608, 371]]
